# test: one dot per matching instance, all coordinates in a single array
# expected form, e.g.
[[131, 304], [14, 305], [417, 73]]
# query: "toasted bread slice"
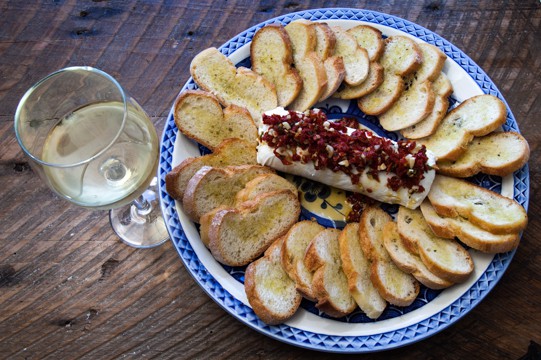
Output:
[[384, 96], [199, 115], [229, 152], [487, 209], [329, 282], [356, 60], [408, 261], [334, 65], [238, 236], [400, 58], [272, 57], [498, 153], [446, 258], [295, 243], [211, 187], [336, 72], [357, 269], [302, 34], [433, 61], [402, 55], [394, 285], [369, 38], [262, 184], [325, 40], [206, 220], [415, 104], [477, 116], [417, 101], [443, 89], [270, 292], [467, 232], [214, 72], [372, 82]]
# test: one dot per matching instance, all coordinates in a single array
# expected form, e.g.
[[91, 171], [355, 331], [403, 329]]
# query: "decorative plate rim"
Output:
[[319, 341]]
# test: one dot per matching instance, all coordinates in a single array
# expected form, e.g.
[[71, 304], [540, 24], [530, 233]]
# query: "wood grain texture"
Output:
[[70, 289]]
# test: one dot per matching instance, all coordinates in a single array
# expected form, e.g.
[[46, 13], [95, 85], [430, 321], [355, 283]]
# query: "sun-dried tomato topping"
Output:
[[358, 203], [310, 136]]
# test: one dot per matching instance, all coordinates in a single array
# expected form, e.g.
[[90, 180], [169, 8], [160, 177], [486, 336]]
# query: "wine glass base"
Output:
[[140, 228]]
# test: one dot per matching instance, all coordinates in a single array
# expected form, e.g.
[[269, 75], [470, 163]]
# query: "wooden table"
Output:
[[70, 289]]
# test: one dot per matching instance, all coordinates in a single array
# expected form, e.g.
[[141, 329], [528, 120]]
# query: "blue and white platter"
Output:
[[432, 311]]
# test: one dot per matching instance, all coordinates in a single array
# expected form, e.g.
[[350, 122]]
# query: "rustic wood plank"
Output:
[[70, 289]]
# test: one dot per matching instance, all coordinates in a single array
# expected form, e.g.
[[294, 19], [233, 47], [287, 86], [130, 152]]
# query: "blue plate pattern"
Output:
[[375, 341]]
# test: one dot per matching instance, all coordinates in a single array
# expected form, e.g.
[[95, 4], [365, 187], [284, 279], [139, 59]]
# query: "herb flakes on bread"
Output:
[[498, 153], [477, 116], [487, 209], [270, 292], [216, 73], [272, 57], [238, 236], [199, 115]]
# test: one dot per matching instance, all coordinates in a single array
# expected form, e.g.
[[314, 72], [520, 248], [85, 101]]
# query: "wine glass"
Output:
[[95, 146]]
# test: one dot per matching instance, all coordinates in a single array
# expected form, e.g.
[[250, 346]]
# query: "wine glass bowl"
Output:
[[93, 145]]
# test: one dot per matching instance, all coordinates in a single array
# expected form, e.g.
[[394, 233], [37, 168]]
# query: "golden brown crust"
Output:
[[229, 152], [499, 153], [271, 54], [248, 244], [259, 300]]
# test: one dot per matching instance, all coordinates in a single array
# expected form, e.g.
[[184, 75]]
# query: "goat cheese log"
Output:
[[353, 159]]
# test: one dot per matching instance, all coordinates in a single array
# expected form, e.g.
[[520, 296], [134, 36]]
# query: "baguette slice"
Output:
[[239, 236], [443, 89], [325, 40], [334, 65], [384, 96], [369, 38], [498, 153], [400, 58], [206, 220], [356, 60], [272, 57], [410, 262], [329, 282], [477, 116], [336, 72], [262, 184], [270, 292], [445, 258], [394, 285], [199, 115], [467, 232], [211, 187], [433, 61], [372, 82], [214, 72], [418, 100], [493, 212], [229, 152], [294, 247], [357, 269], [303, 36], [415, 104]]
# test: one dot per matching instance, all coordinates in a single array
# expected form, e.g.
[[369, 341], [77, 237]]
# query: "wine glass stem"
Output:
[[143, 206]]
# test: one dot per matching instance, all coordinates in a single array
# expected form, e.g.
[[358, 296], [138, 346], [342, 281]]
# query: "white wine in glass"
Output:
[[96, 147]]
